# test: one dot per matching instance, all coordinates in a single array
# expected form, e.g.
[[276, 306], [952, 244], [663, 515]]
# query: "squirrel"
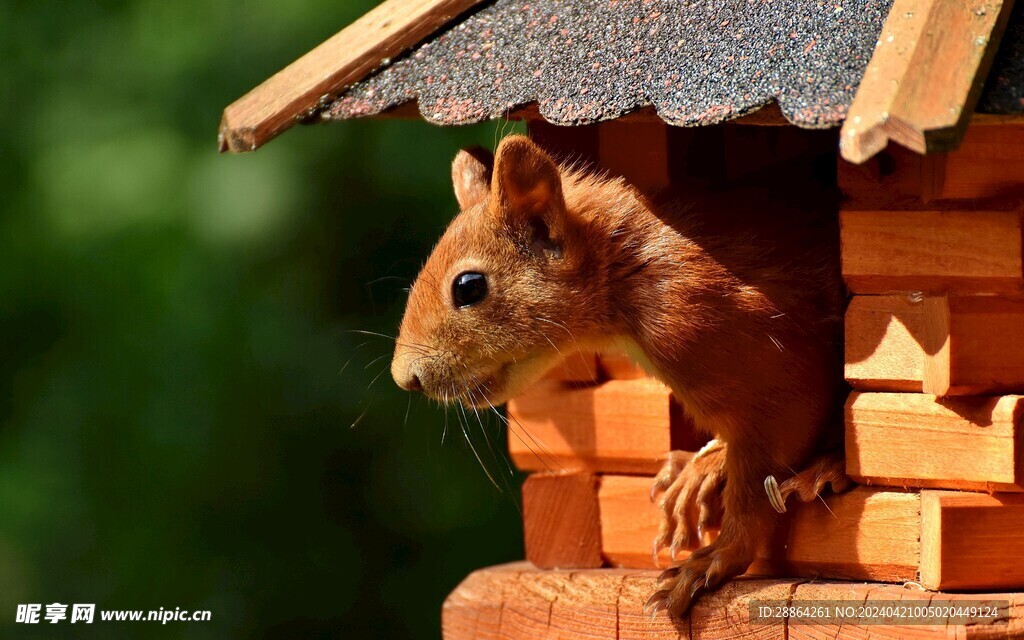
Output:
[[737, 310]]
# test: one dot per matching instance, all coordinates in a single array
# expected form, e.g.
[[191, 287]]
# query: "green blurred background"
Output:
[[175, 327]]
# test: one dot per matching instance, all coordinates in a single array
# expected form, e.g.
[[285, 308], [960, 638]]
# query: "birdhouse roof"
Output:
[[694, 62]]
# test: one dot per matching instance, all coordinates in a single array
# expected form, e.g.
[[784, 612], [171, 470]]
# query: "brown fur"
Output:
[[736, 308]]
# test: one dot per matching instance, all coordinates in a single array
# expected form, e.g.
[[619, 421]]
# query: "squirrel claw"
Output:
[[828, 470]]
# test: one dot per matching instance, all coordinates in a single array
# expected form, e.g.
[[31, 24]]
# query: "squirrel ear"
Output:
[[471, 176], [527, 181]]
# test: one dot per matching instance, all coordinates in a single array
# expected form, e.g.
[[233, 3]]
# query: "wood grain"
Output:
[[895, 178], [924, 77], [884, 252], [978, 345], [565, 144], [863, 534], [942, 345], [971, 540], [883, 343], [918, 440], [620, 426], [985, 171], [637, 151], [561, 523], [869, 534], [989, 164], [519, 602], [629, 523], [345, 58]]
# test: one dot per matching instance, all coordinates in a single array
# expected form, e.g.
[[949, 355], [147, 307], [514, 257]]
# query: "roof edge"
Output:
[[302, 88]]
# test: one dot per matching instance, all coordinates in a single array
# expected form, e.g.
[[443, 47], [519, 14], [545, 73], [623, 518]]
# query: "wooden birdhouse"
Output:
[[914, 109]]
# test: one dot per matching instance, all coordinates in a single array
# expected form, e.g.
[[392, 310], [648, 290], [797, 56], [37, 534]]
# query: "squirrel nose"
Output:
[[407, 380]]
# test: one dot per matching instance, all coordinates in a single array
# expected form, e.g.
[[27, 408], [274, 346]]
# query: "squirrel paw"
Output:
[[692, 500], [829, 469], [704, 570]]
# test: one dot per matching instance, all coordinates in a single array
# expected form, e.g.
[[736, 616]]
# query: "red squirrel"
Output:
[[738, 311]]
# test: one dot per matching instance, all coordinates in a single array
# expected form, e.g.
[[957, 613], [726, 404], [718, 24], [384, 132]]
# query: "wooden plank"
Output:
[[986, 170], [343, 59], [918, 440], [575, 145], [948, 346], [883, 343], [880, 596], [974, 345], [988, 165], [971, 540], [637, 151], [864, 534], [588, 605], [561, 522], [924, 77], [894, 179], [474, 610], [629, 523], [620, 426], [616, 366], [577, 367], [609, 603], [932, 251]]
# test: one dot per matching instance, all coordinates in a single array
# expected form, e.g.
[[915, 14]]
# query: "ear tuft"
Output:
[[471, 176], [526, 181]]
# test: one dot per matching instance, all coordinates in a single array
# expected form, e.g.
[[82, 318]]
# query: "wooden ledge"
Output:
[[517, 601]]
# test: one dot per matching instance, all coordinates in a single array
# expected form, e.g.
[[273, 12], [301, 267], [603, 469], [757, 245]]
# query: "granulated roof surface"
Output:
[[697, 62], [1004, 88]]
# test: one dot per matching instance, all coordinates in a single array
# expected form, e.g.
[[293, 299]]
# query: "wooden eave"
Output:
[[919, 89]]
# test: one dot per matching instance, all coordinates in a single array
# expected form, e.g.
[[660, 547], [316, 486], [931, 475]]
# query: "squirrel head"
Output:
[[505, 292]]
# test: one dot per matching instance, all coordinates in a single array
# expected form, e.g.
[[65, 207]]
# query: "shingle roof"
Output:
[[697, 62], [1004, 87]]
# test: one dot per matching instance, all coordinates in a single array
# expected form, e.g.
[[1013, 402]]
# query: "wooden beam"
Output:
[[877, 626], [975, 345], [864, 534], [519, 602], [918, 440], [943, 345], [883, 343], [988, 165], [925, 76], [637, 151], [561, 524], [620, 426], [971, 540], [984, 171], [345, 58], [932, 251], [565, 144], [629, 523]]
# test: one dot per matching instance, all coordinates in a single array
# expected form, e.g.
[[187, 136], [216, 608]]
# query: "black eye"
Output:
[[469, 288]]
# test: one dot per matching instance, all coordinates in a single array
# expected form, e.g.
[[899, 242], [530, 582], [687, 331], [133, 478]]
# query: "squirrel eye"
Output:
[[469, 288]]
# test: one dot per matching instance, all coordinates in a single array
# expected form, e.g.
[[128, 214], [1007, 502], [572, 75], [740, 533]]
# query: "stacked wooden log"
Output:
[[932, 252], [933, 257]]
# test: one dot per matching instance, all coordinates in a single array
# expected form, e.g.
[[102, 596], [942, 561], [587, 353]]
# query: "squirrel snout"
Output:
[[404, 375], [412, 383]]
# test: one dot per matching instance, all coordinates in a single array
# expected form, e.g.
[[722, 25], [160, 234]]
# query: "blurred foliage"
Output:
[[178, 367]]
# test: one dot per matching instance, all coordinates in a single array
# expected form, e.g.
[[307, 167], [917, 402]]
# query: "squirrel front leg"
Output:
[[747, 521], [692, 500]]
